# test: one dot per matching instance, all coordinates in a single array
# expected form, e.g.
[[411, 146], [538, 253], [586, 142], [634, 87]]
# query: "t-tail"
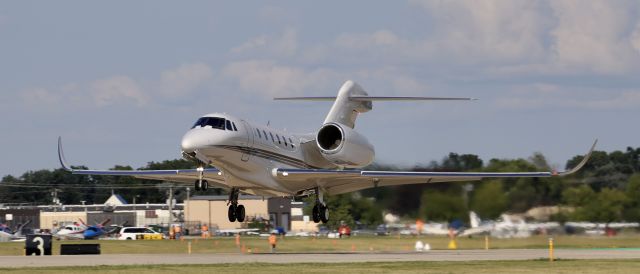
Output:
[[337, 141], [352, 100]]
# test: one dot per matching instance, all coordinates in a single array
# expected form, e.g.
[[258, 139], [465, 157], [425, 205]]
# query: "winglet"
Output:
[[63, 161], [581, 164]]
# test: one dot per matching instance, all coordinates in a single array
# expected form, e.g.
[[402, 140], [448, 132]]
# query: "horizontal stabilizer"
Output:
[[374, 98]]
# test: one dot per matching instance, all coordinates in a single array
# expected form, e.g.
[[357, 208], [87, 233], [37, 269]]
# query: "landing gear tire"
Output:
[[316, 214], [324, 213], [204, 186], [201, 185], [240, 213], [232, 213]]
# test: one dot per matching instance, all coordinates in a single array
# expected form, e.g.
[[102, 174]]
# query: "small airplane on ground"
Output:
[[240, 156], [98, 230], [505, 227], [6, 234], [598, 228], [81, 231], [73, 231], [228, 232]]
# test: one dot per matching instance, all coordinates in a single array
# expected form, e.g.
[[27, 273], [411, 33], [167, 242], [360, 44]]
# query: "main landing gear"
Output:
[[320, 210], [236, 212], [201, 185]]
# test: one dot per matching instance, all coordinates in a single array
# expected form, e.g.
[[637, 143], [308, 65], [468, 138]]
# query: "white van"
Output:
[[131, 233]]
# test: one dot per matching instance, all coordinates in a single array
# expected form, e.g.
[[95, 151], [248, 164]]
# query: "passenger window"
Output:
[[234, 126], [258, 131], [272, 140], [265, 135], [229, 125], [285, 141], [291, 142], [278, 139]]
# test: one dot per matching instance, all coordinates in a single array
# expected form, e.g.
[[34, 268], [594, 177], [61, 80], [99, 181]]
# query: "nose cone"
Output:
[[192, 141]]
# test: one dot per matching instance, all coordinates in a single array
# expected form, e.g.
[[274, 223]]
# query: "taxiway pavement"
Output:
[[434, 255]]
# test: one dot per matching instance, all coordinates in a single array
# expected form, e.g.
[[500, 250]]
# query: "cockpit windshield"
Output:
[[213, 122]]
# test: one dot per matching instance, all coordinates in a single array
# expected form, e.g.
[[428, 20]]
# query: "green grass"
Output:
[[538, 266], [359, 244]]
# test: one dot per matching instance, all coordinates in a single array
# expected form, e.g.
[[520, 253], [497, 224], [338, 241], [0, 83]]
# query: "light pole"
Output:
[[187, 205], [134, 201], [465, 194]]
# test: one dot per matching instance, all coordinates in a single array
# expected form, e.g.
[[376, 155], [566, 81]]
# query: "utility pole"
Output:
[[56, 201], [187, 207], [170, 205], [134, 201], [465, 194]]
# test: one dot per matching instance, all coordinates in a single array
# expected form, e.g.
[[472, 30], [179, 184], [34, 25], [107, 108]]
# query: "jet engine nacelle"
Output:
[[343, 146]]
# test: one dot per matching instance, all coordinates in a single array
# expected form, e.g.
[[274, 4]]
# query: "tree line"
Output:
[[607, 189]]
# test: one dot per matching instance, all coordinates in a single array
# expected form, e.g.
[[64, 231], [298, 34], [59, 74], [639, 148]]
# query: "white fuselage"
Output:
[[247, 154], [71, 232]]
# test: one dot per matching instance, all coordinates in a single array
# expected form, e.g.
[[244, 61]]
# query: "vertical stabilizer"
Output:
[[344, 110], [474, 219]]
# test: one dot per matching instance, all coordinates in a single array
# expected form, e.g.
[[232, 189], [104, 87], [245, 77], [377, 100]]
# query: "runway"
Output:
[[437, 255]]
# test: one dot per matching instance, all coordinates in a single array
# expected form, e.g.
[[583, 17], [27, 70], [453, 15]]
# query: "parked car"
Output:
[[381, 230], [134, 233]]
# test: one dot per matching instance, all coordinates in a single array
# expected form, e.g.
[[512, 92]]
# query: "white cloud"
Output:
[[504, 38], [117, 89], [273, 14], [624, 100], [285, 44], [377, 38], [122, 89], [388, 81], [539, 96], [36, 96], [270, 79], [98, 93], [488, 31], [184, 79], [635, 38], [595, 36]]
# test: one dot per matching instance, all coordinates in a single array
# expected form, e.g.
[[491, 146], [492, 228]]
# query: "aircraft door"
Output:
[[250, 140]]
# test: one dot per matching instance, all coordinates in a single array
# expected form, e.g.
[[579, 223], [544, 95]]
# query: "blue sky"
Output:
[[121, 81]]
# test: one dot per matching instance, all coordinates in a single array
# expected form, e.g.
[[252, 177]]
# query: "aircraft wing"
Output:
[[212, 175], [475, 231], [344, 181]]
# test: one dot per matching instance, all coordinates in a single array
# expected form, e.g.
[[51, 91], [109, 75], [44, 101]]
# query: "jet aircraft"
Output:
[[240, 156]]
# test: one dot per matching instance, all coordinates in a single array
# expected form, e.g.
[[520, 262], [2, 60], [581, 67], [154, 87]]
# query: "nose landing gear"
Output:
[[200, 184]]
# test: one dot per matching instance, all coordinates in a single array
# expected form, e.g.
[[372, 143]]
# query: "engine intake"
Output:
[[330, 137], [343, 146]]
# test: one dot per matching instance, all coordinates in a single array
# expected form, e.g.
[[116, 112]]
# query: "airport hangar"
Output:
[[192, 213]]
